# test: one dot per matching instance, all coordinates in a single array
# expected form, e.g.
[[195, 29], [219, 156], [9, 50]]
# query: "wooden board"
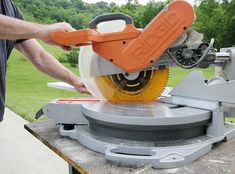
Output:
[[61, 85], [220, 160]]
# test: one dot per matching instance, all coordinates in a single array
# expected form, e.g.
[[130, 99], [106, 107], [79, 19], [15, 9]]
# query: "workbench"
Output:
[[82, 160]]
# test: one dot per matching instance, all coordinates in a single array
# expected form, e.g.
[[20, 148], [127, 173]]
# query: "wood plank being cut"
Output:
[[220, 160]]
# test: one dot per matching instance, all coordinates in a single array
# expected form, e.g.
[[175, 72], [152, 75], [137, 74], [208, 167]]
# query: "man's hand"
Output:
[[79, 86], [47, 30], [46, 63], [14, 29], [77, 83]]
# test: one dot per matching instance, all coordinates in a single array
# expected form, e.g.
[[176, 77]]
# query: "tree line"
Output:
[[215, 18]]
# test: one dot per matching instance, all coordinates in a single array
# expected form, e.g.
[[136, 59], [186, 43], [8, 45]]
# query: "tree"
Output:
[[148, 12], [215, 19], [131, 8]]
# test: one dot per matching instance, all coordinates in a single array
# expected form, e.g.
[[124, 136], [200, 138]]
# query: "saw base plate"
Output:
[[146, 121], [147, 132], [147, 129], [158, 154]]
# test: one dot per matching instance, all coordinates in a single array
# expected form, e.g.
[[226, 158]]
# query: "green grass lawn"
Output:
[[177, 74], [27, 89]]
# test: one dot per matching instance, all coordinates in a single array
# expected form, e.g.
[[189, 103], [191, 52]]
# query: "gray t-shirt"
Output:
[[8, 8]]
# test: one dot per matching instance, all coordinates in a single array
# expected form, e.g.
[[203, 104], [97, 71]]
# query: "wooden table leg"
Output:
[[73, 170]]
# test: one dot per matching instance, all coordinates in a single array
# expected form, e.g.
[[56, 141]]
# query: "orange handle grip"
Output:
[[156, 38]]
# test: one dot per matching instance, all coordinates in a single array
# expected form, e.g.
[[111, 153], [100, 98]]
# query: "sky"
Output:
[[124, 1]]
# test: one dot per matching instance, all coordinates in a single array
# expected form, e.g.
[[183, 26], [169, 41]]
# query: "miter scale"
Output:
[[126, 70]]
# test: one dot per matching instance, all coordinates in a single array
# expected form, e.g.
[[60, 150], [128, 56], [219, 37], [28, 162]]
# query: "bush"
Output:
[[70, 57], [62, 58]]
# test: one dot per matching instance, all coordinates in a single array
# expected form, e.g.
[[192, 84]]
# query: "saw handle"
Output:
[[110, 17]]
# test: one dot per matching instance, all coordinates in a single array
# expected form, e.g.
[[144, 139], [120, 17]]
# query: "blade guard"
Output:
[[130, 49]]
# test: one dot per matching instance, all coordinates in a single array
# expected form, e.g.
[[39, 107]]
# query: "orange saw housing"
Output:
[[133, 50]]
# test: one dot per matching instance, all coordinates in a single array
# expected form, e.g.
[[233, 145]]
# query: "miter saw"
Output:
[[126, 69]]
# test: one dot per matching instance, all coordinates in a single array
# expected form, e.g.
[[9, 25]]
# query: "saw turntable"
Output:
[[126, 70]]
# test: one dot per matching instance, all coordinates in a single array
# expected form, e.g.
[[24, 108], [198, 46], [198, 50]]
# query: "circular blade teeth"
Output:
[[149, 92]]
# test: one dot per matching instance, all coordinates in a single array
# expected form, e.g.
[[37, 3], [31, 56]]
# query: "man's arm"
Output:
[[13, 29], [46, 63]]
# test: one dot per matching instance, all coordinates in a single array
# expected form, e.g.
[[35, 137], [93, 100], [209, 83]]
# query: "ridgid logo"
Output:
[[156, 37]]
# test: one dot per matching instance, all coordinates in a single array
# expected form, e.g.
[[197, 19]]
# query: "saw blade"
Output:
[[147, 86], [106, 81]]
